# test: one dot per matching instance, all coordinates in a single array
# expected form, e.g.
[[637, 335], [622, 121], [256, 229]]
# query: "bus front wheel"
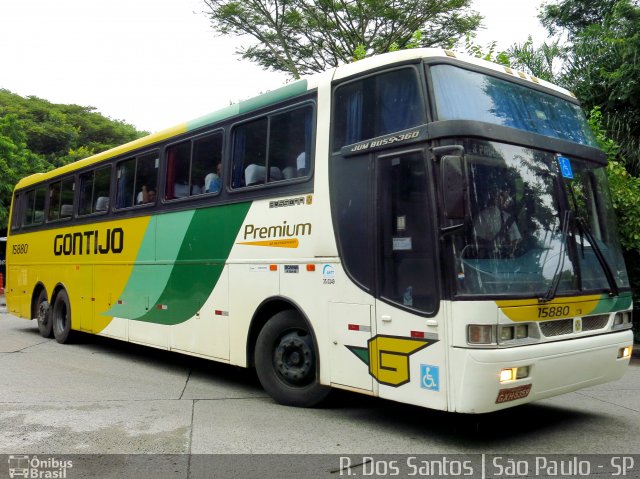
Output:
[[61, 318], [287, 361], [43, 314]]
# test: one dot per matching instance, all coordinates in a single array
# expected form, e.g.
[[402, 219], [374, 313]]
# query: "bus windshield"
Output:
[[465, 95], [531, 229]]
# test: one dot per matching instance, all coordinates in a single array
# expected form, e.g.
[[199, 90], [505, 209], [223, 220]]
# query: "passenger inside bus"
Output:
[[146, 195], [495, 223], [213, 181]]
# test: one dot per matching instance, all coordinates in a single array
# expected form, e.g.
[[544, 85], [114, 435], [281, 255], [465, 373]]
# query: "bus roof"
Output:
[[288, 91]]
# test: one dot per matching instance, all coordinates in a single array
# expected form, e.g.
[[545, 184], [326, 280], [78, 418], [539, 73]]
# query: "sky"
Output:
[[157, 63]]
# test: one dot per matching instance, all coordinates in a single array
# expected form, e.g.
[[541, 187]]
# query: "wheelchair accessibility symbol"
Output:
[[429, 377]]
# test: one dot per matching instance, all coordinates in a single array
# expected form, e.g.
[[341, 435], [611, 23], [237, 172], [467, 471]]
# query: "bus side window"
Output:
[[290, 144], [60, 200], [137, 180], [178, 159], [146, 179], [34, 206], [206, 165], [66, 198], [286, 154], [54, 201], [126, 171], [94, 191], [249, 151], [18, 207]]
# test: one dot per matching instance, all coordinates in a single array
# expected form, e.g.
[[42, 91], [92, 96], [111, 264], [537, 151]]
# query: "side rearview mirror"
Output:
[[453, 184]]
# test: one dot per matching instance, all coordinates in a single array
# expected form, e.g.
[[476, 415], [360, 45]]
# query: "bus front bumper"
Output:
[[554, 368]]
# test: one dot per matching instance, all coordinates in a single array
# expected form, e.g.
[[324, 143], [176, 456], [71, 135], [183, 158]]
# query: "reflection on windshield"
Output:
[[465, 95], [519, 240]]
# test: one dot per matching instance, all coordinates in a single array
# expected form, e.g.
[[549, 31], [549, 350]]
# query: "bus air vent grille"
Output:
[[557, 327], [591, 323], [565, 326]]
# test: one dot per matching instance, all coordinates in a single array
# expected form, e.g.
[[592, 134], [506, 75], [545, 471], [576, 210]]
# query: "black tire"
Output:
[[61, 318], [42, 314], [287, 361]]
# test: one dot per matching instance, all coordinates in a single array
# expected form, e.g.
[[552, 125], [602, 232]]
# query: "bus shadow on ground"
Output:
[[461, 431]]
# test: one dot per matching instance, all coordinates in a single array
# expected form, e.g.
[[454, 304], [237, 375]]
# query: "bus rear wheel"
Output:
[[287, 361], [61, 318], [43, 314]]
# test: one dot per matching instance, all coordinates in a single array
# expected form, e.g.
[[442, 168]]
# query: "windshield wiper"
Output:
[[586, 231], [555, 282], [606, 267]]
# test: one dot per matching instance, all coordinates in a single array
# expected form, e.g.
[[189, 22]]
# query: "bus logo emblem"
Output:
[[577, 325], [388, 357], [328, 271]]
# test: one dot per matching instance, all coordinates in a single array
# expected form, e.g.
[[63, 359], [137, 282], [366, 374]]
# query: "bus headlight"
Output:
[[622, 320], [480, 334], [514, 331]]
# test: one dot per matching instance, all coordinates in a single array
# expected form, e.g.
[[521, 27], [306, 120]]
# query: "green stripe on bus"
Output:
[[148, 280], [616, 303], [199, 264], [246, 106], [275, 96]]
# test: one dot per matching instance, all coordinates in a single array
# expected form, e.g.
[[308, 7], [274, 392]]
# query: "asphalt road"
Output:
[[102, 396]]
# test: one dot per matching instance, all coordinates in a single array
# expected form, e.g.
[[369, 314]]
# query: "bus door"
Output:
[[407, 353]]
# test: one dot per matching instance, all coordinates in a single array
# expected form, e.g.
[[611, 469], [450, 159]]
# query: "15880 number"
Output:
[[22, 248], [553, 311]]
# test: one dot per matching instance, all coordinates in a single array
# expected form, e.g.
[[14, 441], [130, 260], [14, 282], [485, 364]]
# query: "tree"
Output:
[[52, 130], [36, 136], [574, 16], [539, 61], [300, 37], [601, 64], [16, 161]]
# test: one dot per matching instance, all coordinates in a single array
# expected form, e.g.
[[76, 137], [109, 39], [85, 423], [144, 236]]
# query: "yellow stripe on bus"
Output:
[[284, 243], [533, 310], [119, 150], [93, 262]]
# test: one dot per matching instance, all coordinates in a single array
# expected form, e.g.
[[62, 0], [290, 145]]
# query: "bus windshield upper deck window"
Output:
[[377, 105], [466, 95]]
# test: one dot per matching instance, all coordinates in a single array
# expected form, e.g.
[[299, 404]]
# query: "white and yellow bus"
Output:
[[418, 226]]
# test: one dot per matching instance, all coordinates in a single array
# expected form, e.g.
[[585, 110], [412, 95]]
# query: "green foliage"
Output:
[[302, 36], [601, 64], [36, 136], [53, 130], [538, 61], [16, 161], [573, 16], [625, 194], [487, 52]]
